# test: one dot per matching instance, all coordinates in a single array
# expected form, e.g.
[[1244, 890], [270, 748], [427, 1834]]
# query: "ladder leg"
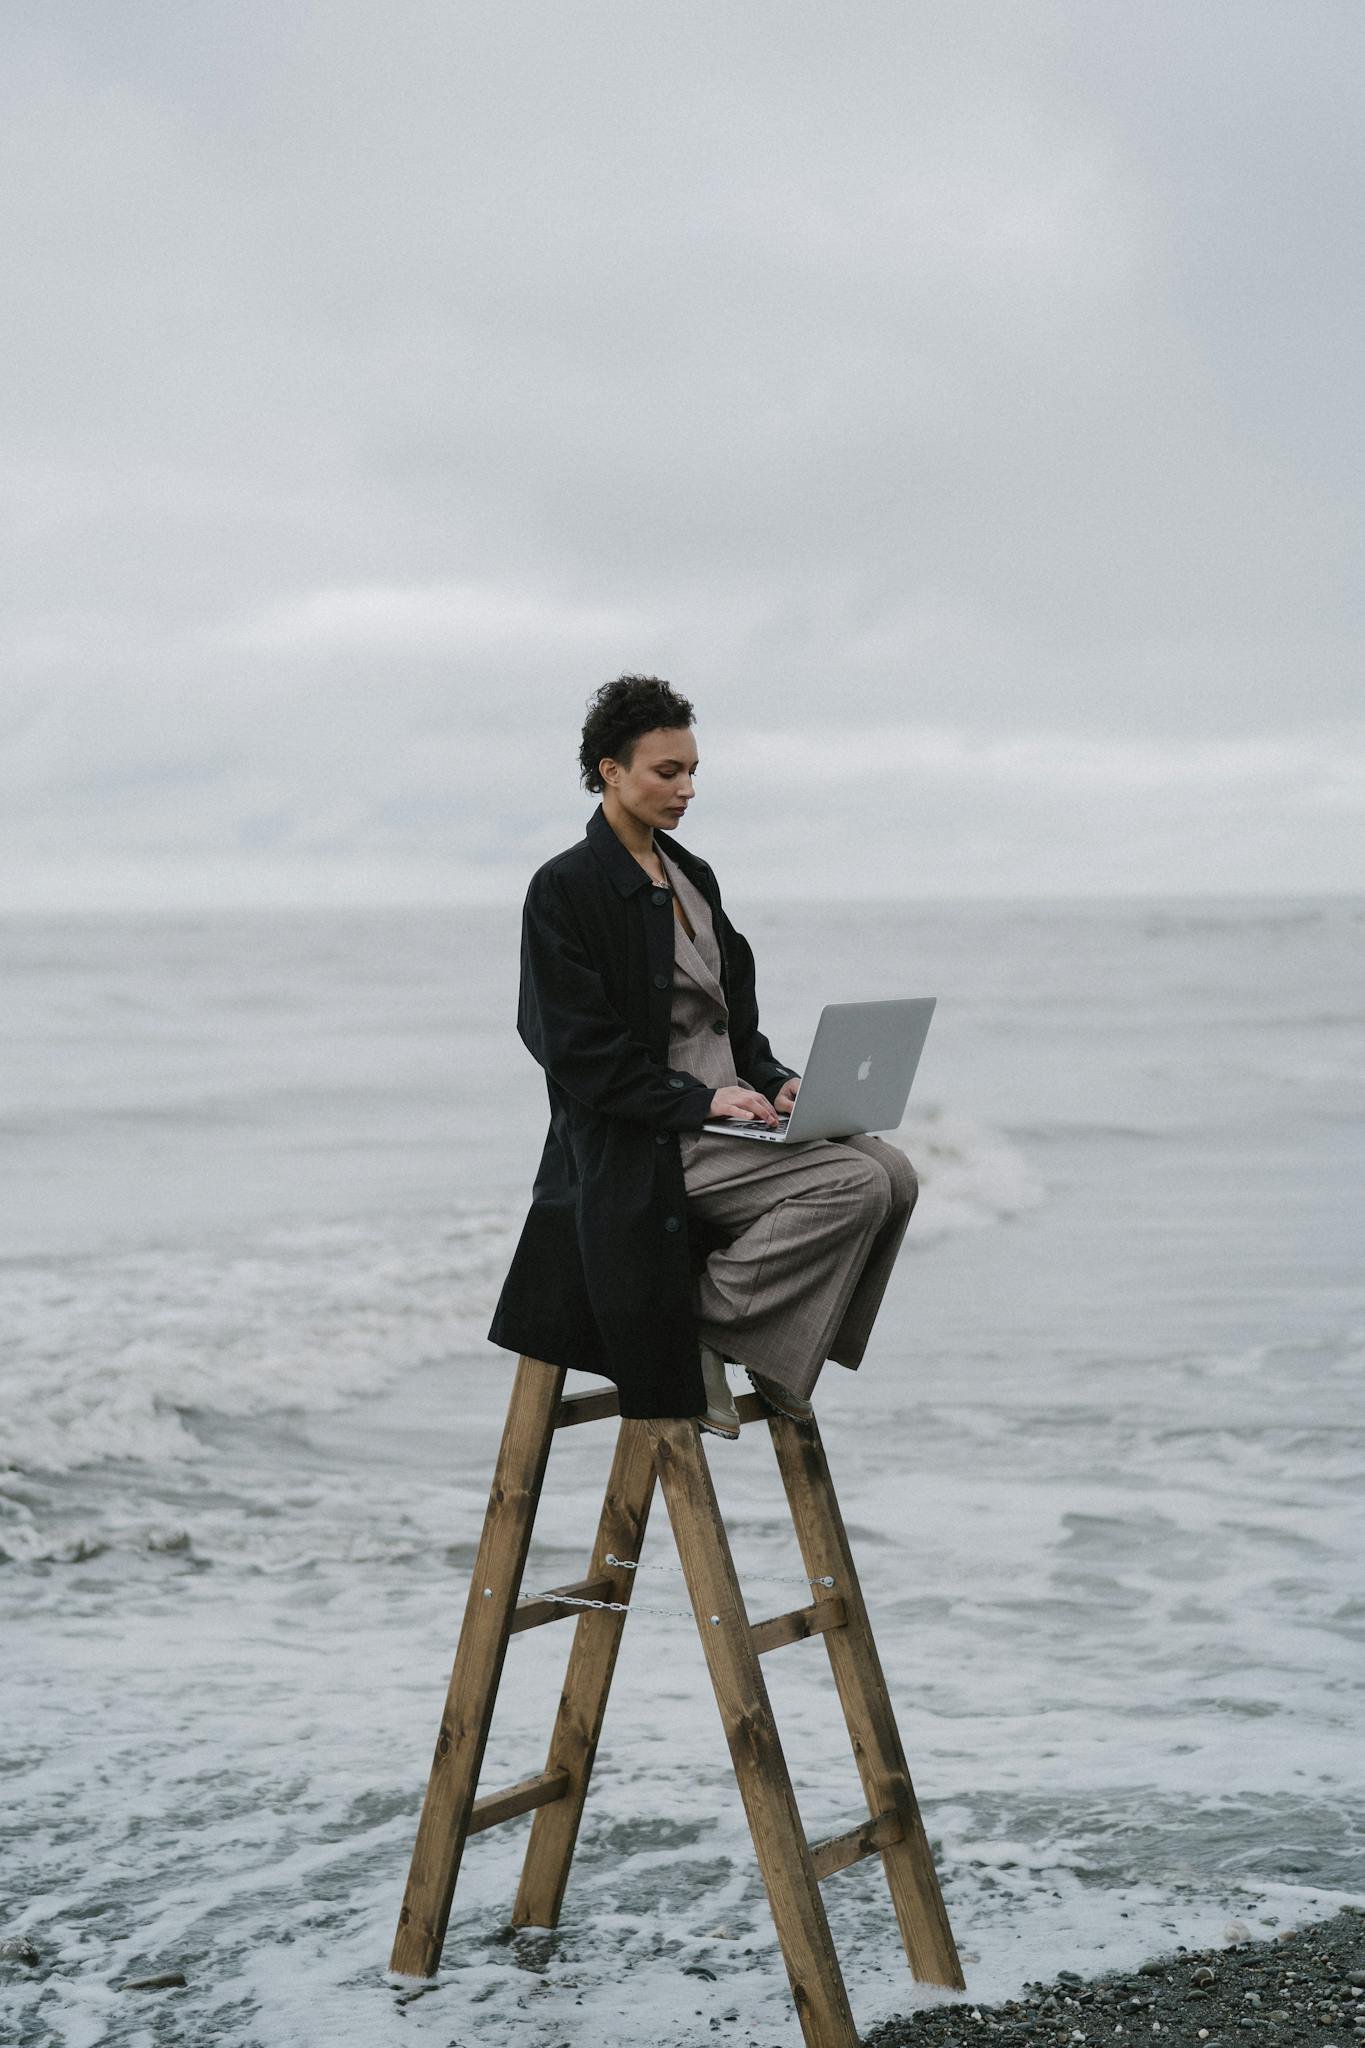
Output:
[[908, 1863], [587, 1681], [784, 1858], [517, 1476]]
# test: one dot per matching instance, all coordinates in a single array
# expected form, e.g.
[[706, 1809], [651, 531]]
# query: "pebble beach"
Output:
[[1305, 1989]]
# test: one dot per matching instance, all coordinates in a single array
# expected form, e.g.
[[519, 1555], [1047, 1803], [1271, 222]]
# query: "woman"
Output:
[[654, 1251]]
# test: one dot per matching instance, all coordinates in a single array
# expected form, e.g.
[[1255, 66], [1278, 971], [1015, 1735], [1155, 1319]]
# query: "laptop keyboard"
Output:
[[748, 1123]]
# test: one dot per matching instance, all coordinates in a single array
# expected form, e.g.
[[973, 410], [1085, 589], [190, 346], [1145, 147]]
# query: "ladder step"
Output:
[[795, 1627], [541, 1790], [586, 1408], [575, 1408], [533, 1609], [840, 1852]]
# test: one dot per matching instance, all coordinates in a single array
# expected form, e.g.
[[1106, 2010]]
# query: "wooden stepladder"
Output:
[[792, 1867]]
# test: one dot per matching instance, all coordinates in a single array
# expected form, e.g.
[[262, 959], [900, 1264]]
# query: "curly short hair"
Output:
[[617, 715]]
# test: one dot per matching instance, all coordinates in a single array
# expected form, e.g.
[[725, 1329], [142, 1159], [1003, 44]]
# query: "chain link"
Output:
[[640, 1606], [671, 1564]]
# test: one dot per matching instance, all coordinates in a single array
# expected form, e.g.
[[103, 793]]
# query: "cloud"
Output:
[[1064, 763], [377, 383], [887, 811], [311, 794], [454, 619]]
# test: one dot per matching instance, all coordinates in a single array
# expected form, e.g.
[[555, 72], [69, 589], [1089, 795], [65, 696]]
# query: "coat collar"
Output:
[[623, 868]]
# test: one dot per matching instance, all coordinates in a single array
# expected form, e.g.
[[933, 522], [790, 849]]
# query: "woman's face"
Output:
[[657, 786]]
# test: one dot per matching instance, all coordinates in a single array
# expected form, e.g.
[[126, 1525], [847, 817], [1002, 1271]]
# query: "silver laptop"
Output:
[[857, 1078]]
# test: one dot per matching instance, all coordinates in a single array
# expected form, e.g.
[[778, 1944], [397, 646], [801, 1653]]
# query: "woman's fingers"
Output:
[[743, 1102]]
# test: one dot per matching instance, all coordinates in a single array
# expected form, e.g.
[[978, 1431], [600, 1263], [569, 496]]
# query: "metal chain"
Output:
[[672, 1564], [611, 1606], [641, 1606]]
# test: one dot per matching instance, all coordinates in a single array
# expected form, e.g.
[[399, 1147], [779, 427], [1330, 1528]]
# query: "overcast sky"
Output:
[[960, 403]]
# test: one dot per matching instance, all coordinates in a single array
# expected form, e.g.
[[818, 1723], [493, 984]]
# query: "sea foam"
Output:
[[114, 1353]]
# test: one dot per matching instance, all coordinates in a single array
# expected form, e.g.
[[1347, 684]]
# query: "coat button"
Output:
[[662, 1137], [661, 981], [720, 1026], [676, 1081], [672, 1223], [658, 895]]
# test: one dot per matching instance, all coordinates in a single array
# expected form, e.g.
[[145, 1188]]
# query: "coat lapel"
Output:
[[689, 955]]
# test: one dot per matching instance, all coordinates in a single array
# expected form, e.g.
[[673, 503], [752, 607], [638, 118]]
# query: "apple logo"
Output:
[[865, 1069]]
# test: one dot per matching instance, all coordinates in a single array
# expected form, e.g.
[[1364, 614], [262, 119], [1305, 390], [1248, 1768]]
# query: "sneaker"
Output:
[[779, 1398], [721, 1417]]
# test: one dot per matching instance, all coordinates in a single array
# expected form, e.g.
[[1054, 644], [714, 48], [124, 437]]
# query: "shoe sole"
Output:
[[792, 1414]]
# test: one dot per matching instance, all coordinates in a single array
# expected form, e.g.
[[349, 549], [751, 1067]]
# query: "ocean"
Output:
[[1101, 1469]]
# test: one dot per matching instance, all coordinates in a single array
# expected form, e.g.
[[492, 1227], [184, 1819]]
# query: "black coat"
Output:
[[601, 1279]]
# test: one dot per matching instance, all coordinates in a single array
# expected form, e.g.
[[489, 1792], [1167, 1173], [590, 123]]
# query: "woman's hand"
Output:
[[785, 1098], [746, 1103]]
